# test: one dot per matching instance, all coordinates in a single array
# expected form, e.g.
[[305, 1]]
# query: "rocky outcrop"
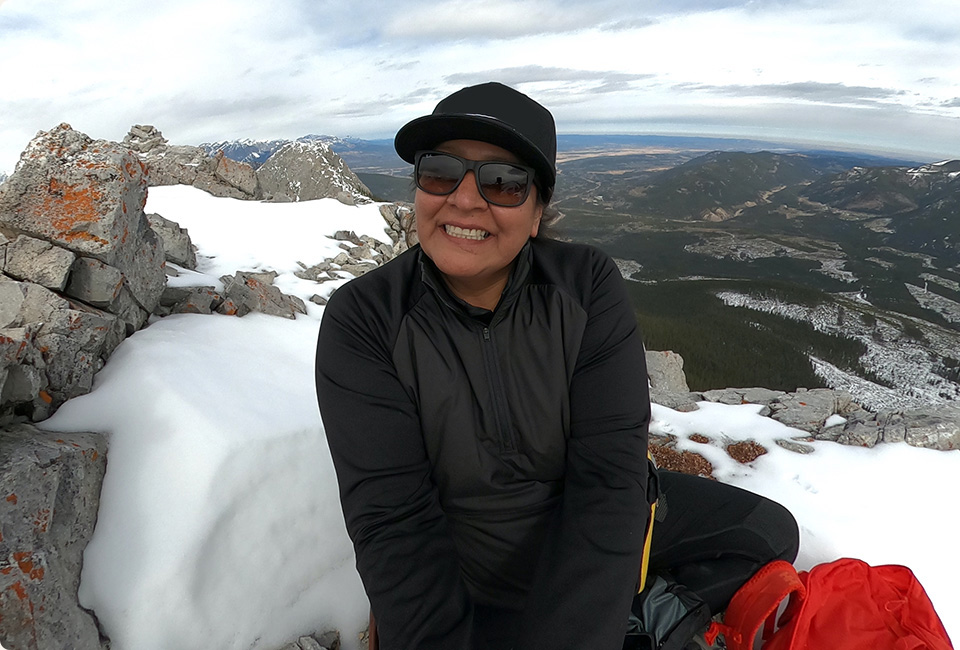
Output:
[[185, 165], [49, 495], [81, 267], [302, 171], [821, 413]]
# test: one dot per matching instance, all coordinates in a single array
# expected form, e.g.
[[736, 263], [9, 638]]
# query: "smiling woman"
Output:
[[484, 397]]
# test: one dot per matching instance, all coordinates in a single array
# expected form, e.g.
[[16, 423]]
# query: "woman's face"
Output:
[[471, 241]]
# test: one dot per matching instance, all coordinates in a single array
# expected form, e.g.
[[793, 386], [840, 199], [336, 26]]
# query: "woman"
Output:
[[485, 401]]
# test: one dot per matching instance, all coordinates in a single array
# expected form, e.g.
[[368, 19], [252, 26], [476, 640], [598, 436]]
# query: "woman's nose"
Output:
[[467, 195]]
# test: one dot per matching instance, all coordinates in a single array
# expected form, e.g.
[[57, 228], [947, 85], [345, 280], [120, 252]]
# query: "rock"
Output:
[[761, 395], [49, 494], [794, 446], [356, 270], [330, 640], [309, 643], [177, 247], [730, 396], [808, 410], [74, 340], [401, 225], [236, 174], [665, 371], [303, 171], [185, 165], [37, 261], [22, 375], [197, 300], [249, 291], [347, 235], [860, 433], [683, 402], [87, 196], [94, 282], [318, 300], [936, 428], [892, 426]]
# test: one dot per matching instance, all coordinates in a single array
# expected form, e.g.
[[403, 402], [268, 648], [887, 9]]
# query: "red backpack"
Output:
[[845, 604]]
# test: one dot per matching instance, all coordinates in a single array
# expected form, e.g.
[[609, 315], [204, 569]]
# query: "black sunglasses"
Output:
[[501, 183]]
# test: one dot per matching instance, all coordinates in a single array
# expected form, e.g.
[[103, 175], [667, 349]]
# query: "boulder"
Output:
[[177, 246], [245, 292], [49, 495], [665, 370], [86, 196]]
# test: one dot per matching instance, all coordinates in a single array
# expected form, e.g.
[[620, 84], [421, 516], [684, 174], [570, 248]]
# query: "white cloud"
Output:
[[213, 69]]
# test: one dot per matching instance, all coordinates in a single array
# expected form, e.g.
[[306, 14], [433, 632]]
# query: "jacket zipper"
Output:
[[508, 442]]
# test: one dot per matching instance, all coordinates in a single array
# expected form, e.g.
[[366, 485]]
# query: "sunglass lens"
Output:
[[503, 184], [438, 173]]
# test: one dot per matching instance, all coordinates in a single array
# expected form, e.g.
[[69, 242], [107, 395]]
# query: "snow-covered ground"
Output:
[[219, 522]]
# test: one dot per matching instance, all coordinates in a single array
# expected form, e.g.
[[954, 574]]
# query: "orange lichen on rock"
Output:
[[12, 498], [25, 561], [68, 206], [42, 521]]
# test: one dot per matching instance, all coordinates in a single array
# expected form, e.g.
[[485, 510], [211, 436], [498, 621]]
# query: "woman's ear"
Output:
[[538, 215]]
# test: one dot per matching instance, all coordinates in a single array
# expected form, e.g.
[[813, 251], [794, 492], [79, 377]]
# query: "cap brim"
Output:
[[430, 130]]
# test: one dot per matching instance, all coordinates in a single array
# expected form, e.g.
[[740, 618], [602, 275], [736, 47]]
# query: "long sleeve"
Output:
[[588, 571], [405, 554]]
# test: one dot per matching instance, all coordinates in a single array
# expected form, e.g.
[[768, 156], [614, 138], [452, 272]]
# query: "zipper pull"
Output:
[[486, 333]]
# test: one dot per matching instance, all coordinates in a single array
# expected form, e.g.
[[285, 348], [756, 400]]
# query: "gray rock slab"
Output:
[[665, 370], [94, 282], [808, 410], [724, 396], [795, 446], [35, 260], [177, 245], [936, 428], [49, 495]]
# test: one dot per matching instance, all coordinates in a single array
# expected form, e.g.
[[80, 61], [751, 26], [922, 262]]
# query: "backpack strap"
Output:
[[653, 496], [756, 603]]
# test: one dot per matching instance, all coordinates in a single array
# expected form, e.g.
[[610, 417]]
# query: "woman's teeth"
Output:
[[466, 233]]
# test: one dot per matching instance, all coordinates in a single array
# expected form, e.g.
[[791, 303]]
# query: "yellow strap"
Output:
[[647, 539]]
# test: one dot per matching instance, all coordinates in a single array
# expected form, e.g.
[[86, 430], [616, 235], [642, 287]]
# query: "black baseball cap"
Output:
[[494, 113]]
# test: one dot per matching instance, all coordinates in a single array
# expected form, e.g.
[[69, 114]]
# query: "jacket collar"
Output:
[[431, 276]]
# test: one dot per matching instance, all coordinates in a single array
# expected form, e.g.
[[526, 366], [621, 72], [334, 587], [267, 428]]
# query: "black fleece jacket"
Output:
[[490, 461]]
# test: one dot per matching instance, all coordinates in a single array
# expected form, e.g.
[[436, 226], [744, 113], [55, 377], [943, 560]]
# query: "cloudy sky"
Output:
[[863, 74]]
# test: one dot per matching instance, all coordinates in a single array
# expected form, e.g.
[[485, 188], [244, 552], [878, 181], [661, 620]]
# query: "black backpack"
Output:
[[665, 616]]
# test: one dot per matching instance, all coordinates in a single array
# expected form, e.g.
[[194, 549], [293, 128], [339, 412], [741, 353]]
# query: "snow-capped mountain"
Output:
[[257, 152], [310, 169]]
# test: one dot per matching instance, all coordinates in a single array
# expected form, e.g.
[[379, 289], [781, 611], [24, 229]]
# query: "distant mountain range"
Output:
[[759, 264]]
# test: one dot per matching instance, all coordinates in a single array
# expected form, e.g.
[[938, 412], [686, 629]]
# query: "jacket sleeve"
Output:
[[589, 566], [405, 554]]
